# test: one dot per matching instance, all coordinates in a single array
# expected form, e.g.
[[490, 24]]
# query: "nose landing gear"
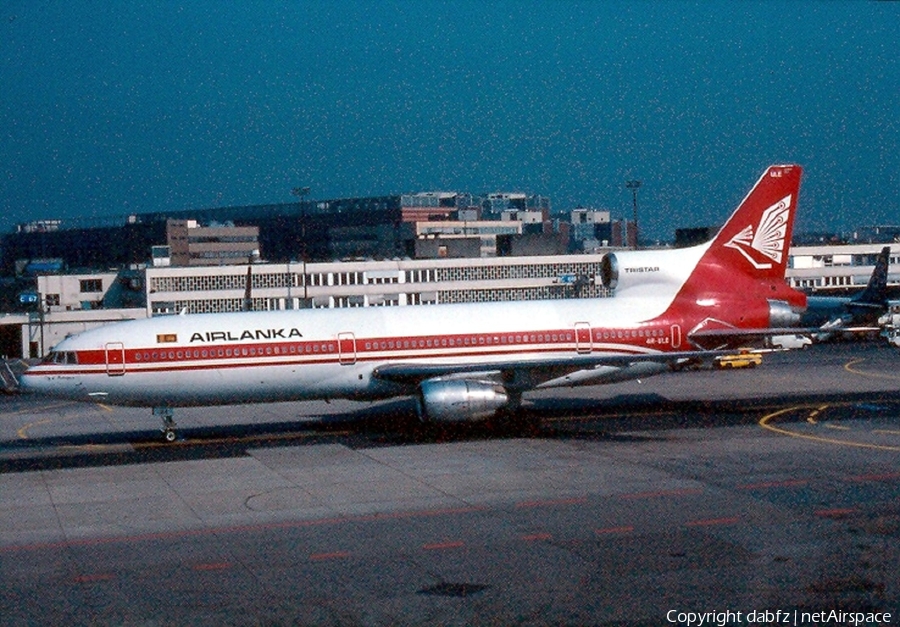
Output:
[[167, 414]]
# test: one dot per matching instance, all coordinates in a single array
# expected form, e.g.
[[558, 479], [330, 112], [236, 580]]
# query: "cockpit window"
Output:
[[61, 357]]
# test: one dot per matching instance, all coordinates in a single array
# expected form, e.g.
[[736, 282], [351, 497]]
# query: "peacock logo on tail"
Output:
[[767, 244]]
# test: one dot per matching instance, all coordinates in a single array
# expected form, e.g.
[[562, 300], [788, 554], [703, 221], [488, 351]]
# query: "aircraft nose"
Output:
[[12, 376]]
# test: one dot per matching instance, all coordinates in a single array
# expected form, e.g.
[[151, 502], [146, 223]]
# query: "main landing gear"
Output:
[[167, 414]]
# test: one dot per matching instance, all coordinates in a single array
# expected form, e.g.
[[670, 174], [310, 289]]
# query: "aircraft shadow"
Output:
[[623, 418]]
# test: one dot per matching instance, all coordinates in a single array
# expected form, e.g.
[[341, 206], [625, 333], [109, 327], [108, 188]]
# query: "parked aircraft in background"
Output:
[[826, 315], [461, 362], [834, 312]]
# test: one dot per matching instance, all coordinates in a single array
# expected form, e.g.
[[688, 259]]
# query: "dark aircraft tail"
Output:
[[875, 294]]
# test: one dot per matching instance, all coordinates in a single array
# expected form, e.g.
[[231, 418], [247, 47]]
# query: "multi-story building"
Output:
[[838, 268], [591, 229], [193, 244], [485, 232], [373, 283]]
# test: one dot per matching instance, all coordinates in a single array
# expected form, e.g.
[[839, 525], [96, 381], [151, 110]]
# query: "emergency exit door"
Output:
[[346, 349], [115, 359]]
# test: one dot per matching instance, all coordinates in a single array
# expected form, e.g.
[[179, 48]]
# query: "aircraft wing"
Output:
[[724, 339], [536, 370], [730, 338]]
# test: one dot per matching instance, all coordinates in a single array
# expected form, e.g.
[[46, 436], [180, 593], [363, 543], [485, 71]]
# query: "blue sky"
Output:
[[112, 108]]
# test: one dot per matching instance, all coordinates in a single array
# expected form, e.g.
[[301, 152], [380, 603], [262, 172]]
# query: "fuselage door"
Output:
[[676, 336], [346, 348], [583, 339], [115, 359]]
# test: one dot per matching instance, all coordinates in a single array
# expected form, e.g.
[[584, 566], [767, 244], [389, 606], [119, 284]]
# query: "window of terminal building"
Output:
[[162, 308], [90, 285]]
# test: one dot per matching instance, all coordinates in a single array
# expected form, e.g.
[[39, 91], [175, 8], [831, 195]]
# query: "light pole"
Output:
[[634, 185], [301, 193]]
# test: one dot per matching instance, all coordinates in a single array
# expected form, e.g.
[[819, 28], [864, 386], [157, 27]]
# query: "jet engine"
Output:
[[609, 271], [782, 315], [459, 400]]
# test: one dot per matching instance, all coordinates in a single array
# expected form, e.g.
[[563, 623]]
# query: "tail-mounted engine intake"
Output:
[[609, 271], [459, 400], [782, 315]]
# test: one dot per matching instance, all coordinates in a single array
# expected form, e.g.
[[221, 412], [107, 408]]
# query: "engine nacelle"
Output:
[[781, 314], [609, 271], [459, 400]]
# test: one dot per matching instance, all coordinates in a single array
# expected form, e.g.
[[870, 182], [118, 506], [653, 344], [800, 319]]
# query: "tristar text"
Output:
[[246, 334], [642, 269]]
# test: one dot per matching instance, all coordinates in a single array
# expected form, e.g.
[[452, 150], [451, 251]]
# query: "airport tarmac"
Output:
[[774, 489]]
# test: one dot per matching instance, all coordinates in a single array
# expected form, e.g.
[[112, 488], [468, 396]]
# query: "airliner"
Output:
[[834, 313], [826, 315], [461, 362]]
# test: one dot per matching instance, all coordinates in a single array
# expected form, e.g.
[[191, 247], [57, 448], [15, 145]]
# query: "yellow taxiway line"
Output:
[[850, 367], [765, 423]]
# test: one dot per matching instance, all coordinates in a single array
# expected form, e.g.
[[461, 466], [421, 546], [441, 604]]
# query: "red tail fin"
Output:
[[755, 239], [739, 280]]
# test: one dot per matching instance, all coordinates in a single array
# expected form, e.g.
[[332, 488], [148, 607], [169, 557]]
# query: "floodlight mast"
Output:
[[301, 193], [634, 185]]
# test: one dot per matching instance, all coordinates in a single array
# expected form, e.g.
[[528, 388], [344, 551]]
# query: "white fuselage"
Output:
[[207, 359]]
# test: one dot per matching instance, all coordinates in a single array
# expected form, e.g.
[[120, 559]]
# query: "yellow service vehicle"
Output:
[[745, 358]]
